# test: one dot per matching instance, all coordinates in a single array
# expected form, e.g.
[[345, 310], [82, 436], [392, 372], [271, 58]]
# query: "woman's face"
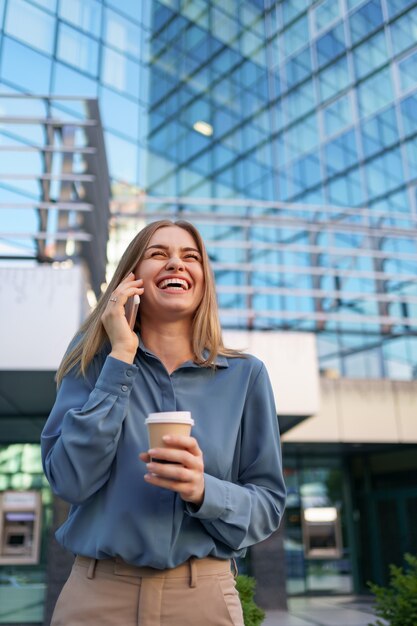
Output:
[[173, 277]]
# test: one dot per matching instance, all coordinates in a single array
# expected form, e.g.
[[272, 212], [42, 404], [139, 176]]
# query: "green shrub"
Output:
[[397, 602], [253, 615]]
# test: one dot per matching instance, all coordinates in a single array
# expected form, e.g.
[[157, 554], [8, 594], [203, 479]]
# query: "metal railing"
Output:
[[54, 181]]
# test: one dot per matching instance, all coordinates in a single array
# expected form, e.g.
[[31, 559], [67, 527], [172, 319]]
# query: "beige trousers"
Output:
[[112, 593]]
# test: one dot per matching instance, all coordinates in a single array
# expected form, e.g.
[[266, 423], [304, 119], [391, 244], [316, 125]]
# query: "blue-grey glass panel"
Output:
[[296, 36], [123, 158], [346, 190], [337, 115], [223, 27], [69, 82], [47, 4], [403, 31], [407, 70], [36, 28], [306, 172], [120, 72], [384, 173], [86, 14], [396, 6], [122, 33], [299, 101], [411, 151], [131, 8], [15, 61], [379, 132], [341, 153], [302, 137], [77, 49], [365, 20], [292, 8], [330, 45], [351, 4], [334, 79], [298, 68], [1, 11], [119, 114], [375, 93], [409, 114], [370, 55], [325, 13]]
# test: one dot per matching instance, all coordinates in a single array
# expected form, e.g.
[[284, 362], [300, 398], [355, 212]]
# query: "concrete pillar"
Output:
[[268, 567], [59, 561]]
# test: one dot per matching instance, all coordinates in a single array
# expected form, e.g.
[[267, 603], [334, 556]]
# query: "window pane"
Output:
[[119, 113], [292, 8], [370, 55], [86, 14], [408, 72], [47, 4], [69, 82], [341, 153], [375, 93], [330, 45], [409, 114], [404, 32], [121, 33], [123, 158], [131, 8], [384, 173], [298, 68], [36, 28], [296, 36], [337, 115], [379, 132], [17, 58], [333, 79], [120, 72], [77, 49], [396, 6], [365, 20], [325, 13]]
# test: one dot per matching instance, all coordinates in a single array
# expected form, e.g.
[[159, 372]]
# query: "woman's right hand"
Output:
[[124, 341]]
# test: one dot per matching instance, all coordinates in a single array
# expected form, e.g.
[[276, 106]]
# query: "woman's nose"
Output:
[[175, 263]]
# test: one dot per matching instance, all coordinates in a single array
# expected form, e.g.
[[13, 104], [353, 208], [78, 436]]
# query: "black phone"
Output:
[[131, 310]]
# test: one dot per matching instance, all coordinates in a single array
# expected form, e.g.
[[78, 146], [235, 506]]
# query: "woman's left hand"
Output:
[[187, 477]]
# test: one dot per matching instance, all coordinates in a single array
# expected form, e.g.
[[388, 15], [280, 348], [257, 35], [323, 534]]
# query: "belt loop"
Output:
[[236, 571], [91, 568], [193, 572]]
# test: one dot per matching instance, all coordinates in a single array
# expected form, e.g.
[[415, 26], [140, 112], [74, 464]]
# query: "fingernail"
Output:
[[166, 438]]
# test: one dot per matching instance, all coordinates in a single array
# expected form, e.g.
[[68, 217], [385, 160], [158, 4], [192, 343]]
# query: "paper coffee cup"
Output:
[[167, 423]]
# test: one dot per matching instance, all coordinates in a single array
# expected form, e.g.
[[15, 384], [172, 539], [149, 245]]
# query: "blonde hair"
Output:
[[206, 330]]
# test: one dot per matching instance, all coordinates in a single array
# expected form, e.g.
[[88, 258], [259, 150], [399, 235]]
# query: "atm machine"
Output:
[[20, 527], [322, 533]]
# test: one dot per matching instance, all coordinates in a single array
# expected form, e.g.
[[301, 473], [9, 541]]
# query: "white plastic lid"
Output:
[[176, 417]]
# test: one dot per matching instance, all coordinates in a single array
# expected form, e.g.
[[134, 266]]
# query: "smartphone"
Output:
[[131, 310]]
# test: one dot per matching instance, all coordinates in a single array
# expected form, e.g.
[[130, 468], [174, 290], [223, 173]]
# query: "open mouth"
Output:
[[177, 284]]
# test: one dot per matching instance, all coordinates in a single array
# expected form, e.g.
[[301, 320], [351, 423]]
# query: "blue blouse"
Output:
[[90, 447]]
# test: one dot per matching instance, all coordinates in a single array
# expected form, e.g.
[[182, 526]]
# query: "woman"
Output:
[[154, 540]]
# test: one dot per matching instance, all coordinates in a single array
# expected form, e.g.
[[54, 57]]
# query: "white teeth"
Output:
[[178, 283]]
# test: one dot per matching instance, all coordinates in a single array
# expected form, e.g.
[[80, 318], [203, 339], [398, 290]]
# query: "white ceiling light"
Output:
[[203, 127]]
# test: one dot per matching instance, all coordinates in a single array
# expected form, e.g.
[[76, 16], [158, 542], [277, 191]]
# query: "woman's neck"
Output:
[[171, 343]]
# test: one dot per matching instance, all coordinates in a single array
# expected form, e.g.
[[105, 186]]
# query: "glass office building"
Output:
[[287, 131]]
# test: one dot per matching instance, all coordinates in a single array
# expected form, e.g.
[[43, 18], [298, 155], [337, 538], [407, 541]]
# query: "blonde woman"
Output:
[[154, 540]]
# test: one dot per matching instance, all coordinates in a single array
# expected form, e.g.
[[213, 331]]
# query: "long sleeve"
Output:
[[80, 437], [249, 509]]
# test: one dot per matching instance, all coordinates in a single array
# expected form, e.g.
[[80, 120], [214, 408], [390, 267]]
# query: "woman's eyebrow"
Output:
[[163, 247]]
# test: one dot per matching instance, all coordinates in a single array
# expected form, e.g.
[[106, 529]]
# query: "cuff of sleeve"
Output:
[[116, 377], [216, 499]]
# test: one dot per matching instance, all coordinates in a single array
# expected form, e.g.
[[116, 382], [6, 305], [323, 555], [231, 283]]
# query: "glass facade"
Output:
[[296, 119], [286, 130]]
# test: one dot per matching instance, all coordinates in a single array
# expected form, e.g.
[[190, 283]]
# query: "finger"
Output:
[[145, 457], [171, 471], [121, 297], [177, 457], [184, 442]]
